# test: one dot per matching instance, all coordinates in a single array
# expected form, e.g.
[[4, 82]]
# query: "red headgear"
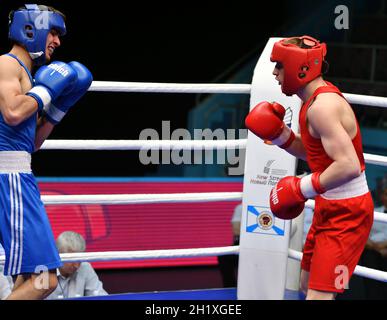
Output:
[[301, 65]]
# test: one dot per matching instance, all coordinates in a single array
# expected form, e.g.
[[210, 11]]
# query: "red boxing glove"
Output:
[[266, 121], [287, 198]]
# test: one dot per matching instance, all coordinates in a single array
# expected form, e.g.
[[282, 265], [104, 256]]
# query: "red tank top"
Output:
[[317, 158]]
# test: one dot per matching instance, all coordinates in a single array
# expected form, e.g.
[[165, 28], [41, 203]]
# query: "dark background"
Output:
[[190, 41]]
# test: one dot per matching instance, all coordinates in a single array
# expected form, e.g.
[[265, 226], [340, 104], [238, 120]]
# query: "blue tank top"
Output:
[[22, 136]]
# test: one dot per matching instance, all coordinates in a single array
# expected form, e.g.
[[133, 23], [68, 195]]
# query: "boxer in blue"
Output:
[[30, 108]]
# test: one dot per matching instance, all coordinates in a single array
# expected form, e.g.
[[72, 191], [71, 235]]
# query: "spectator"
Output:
[[378, 236], [228, 264], [76, 279]]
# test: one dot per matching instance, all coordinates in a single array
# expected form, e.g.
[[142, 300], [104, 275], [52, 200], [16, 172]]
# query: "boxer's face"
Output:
[[278, 72], [52, 43]]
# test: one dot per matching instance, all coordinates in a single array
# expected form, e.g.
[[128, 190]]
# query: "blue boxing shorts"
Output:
[[25, 231]]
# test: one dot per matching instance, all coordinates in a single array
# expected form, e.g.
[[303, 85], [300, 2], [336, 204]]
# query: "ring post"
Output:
[[264, 239]]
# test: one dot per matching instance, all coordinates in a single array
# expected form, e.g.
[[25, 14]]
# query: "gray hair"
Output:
[[70, 241]]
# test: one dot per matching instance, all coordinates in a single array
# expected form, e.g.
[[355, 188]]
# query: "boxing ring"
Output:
[[192, 145]]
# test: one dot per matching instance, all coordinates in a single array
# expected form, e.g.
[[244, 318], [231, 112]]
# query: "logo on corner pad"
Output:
[[261, 220]]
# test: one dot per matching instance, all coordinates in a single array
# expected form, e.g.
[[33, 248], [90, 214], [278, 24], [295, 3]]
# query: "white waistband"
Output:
[[15, 162], [353, 188]]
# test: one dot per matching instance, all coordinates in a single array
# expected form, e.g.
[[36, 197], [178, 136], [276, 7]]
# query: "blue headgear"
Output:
[[30, 28]]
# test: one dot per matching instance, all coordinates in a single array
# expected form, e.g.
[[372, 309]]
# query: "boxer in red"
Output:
[[330, 142]]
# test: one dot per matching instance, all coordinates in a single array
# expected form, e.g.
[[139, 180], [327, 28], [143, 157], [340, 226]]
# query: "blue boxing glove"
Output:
[[56, 110], [51, 81]]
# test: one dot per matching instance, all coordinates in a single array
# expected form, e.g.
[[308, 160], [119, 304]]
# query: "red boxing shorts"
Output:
[[336, 240]]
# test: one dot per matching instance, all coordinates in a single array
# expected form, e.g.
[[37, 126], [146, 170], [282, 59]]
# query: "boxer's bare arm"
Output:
[[297, 149], [15, 106], [43, 130], [325, 120]]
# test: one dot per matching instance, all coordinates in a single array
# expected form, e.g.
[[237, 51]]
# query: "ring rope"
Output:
[[141, 198], [365, 100], [143, 144], [149, 254], [157, 87], [144, 254], [375, 159], [233, 88], [166, 145]]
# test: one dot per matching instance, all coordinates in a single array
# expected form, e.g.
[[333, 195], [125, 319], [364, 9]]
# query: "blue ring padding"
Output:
[[209, 294]]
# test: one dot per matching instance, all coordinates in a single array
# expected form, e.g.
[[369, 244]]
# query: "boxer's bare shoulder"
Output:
[[9, 69], [333, 109]]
